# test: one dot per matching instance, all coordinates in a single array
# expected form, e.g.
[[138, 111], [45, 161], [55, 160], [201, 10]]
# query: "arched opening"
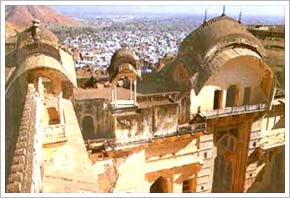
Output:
[[45, 88], [222, 174], [161, 185], [88, 128], [218, 99], [247, 95], [226, 145], [231, 99]]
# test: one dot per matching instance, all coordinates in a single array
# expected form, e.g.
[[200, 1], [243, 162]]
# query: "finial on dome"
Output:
[[240, 17], [205, 16], [35, 29], [224, 10]]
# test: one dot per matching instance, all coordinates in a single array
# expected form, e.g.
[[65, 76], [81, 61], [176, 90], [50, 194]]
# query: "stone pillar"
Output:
[[113, 94], [60, 108], [177, 187], [116, 94], [224, 97], [131, 90], [40, 89], [135, 92]]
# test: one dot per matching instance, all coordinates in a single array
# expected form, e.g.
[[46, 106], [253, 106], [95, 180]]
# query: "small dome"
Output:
[[45, 36], [123, 55], [121, 58]]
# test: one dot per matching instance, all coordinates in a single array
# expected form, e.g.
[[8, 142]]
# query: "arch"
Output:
[[216, 34], [88, 128], [161, 185], [225, 57], [54, 78], [38, 63], [222, 173]]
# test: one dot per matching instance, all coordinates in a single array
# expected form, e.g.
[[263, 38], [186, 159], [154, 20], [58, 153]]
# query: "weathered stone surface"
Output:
[[19, 159], [22, 138], [21, 151], [17, 168], [14, 187], [21, 145], [15, 177]]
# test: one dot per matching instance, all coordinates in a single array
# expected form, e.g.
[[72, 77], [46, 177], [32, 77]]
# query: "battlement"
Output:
[[25, 173]]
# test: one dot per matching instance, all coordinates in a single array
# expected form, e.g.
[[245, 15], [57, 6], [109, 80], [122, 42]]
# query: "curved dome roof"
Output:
[[123, 55], [120, 58], [45, 36], [213, 36]]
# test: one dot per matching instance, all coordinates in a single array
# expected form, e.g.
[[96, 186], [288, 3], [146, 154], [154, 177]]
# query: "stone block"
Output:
[[22, 138], [20, 145], [14, 187], [18, 160], [15, 177], [21, 151], [17, 168]]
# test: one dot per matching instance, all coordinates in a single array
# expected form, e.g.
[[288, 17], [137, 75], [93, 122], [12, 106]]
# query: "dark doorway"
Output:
[[218, 99], [53, 114], [231, 96], [247, 95], [222, 174], [160, 186], [189, 186], [222, 166], [88, 128]]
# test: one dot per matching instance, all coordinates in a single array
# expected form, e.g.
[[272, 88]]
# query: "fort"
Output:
[[211, 119]]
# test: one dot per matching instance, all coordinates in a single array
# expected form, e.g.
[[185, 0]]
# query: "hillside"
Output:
[[20, 17]]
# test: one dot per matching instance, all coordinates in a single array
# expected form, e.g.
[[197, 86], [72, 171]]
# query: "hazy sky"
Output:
[[249, 10]]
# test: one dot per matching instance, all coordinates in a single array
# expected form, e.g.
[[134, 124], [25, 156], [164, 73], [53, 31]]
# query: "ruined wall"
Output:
[[99, 112], [185, 162], [149, 122], [184, 110], [243, 72], [134, 127], [165, 119], [271, 178], [266, 168]]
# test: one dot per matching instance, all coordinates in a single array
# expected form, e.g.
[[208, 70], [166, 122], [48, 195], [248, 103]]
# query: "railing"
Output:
[[234, 110], [54, 134], [114, 143]]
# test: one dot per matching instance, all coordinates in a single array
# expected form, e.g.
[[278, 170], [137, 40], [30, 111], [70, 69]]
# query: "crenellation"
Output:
[[14, 187], [15, 177]]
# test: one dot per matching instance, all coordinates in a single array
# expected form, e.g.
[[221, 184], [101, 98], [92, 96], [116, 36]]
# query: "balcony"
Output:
[[234, 110], [54, 134]]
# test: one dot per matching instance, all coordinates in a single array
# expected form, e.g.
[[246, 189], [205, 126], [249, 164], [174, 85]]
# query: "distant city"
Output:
[[267, 15], [149, 31]]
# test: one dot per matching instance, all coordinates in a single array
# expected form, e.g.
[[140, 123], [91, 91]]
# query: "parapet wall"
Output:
[[21, 174]]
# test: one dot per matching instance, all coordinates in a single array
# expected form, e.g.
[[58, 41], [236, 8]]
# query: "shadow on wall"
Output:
[[271, 179], [13, 113]]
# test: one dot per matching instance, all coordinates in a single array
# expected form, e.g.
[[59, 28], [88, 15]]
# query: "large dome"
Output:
[[213, 36]]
